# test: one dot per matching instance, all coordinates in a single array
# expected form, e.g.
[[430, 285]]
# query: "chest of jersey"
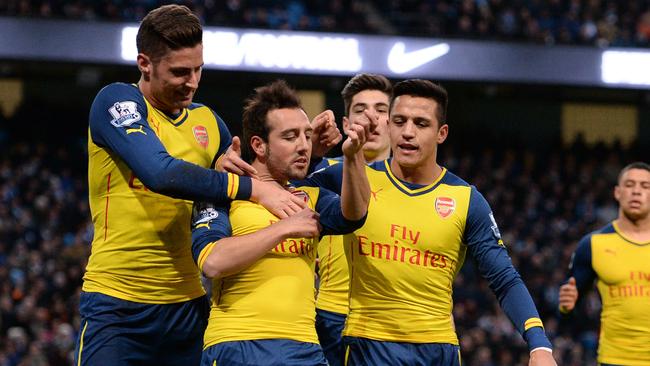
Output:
[[427, 234], [248, 217], [193, 136], [621, 266]]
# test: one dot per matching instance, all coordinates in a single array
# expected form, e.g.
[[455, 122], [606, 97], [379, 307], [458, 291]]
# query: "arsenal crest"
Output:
[[201, 135], [445, 206]]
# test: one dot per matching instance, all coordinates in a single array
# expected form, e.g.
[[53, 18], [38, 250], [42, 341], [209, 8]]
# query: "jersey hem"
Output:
[[156, 299]]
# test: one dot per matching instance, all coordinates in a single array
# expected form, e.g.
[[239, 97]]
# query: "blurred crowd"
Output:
[[45, 232], [601, 23], [544, 201]]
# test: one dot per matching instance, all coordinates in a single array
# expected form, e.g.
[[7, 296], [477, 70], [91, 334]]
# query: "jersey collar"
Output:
[[409, 188]]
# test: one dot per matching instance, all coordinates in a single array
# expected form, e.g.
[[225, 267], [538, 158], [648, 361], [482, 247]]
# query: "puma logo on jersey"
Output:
[[610, 251], [132, 130], [374, 193]]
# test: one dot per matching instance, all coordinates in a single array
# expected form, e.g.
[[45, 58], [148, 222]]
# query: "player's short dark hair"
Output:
[[635, 165], [169, 27], [425, 89], [361, 82], [276, 95]]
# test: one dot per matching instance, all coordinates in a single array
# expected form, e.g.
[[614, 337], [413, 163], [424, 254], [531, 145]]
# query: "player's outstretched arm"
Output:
[[355, 189], [230, 255], [118, 122], [485, 245]]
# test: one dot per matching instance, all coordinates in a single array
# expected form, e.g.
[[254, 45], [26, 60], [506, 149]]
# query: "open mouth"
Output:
[[408, 148]]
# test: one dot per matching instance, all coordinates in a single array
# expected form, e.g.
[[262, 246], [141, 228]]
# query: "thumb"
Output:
[[236, 145], [572, 281]]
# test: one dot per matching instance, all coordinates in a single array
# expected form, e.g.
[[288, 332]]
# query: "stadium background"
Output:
[[545, 155]]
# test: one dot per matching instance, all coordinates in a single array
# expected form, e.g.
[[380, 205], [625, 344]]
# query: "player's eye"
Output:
[[180, 72]]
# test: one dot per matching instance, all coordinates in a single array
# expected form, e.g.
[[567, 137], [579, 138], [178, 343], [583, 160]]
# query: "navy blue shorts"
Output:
[[329, 326], [264, 352], [119, 332], [362, 351]]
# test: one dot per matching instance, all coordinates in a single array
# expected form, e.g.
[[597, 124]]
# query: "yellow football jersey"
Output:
[[333, 277], [622, 268], [274, 298], [141, 247], [403, 262]]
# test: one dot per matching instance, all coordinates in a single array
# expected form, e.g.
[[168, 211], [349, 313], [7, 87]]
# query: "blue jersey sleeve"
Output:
[[581, 268], [118, 121], [328, 207], [485, 245], [210, 223], [225, 137], [329, 177]]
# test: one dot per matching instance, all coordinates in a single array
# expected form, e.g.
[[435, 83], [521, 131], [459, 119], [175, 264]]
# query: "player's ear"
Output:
[[144, 65], [346, 123], [443, 132], [617, 193], [259, 146]]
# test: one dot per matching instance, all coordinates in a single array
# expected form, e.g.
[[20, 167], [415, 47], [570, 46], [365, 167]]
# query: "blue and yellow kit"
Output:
[[403, 261], [621, 268], [332, 267], [141, 248], [274, 297]]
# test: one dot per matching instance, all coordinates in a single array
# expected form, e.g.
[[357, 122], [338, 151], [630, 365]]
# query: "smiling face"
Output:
[[287, 151], [173, 79], [633, 194], [415, 132]]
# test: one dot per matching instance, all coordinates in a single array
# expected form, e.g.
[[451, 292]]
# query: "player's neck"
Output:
[[371, 158], [264, 174], [145, 89], [417, 175], [637, 230]]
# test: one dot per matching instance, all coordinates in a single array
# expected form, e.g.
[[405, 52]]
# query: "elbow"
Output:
[[212, 269], [355, 212], [158, 183], [356, 222]]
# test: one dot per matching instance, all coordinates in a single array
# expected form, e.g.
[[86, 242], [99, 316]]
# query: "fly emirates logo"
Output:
[[300, 247], [640, 287], [403, 247]]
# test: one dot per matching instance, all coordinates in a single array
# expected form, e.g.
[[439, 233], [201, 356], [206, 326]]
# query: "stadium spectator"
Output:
[[599, 23]]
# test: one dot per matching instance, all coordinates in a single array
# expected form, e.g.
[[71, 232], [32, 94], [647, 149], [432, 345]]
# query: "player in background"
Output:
[[151, 150], [422, 220], [364, 94], [617, 256], [263, 304]]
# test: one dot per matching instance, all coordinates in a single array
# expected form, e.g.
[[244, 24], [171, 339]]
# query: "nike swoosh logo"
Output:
[[400, 61]]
